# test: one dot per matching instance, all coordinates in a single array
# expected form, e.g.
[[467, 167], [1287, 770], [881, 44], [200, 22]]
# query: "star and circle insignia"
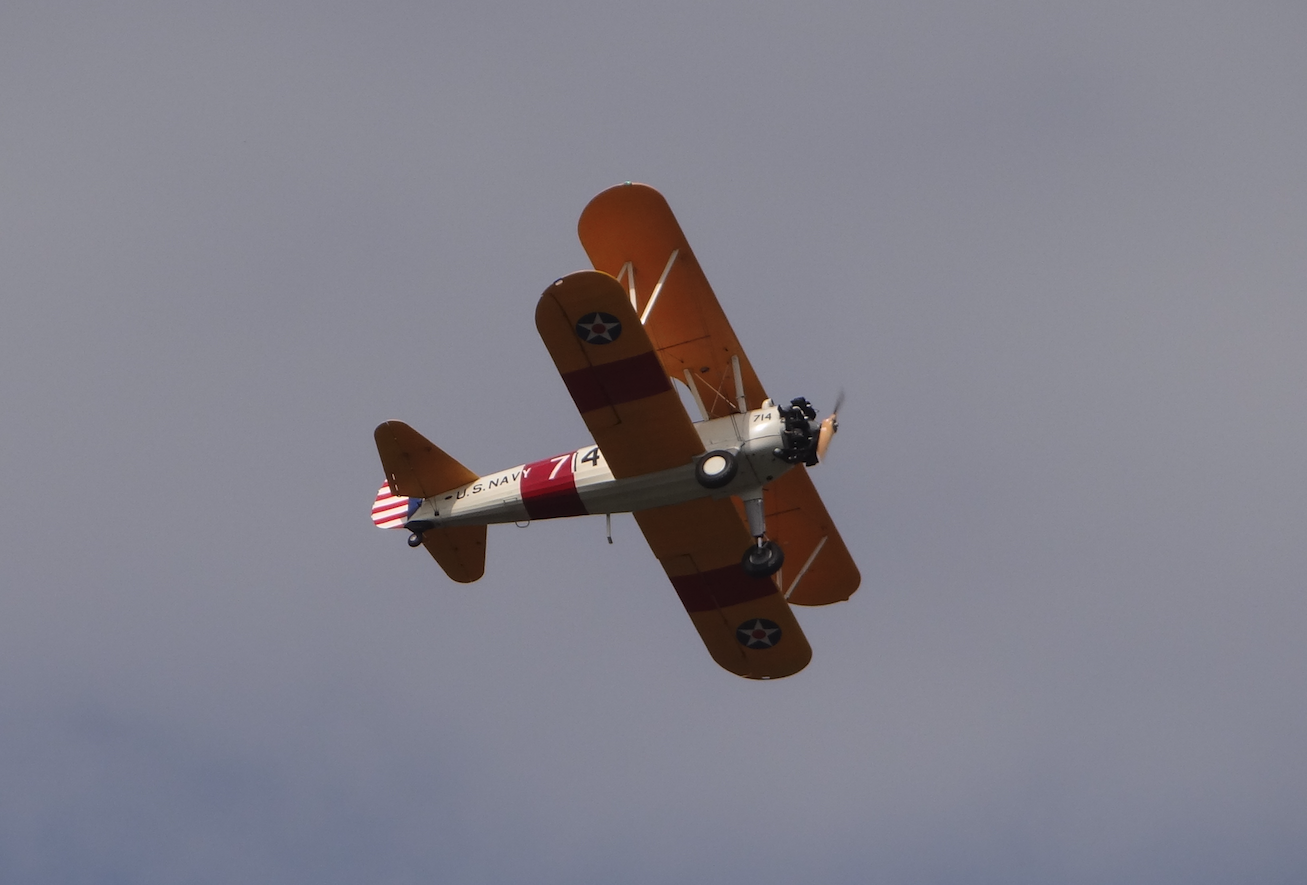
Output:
[[758, 633], [598, 328]]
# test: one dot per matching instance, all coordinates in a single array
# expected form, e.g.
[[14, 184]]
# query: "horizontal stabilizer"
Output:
[[415, 467], [460, 551]]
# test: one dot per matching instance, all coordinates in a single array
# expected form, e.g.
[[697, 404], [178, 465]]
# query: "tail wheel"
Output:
[[759, 561], [716, 469], [415, 539]]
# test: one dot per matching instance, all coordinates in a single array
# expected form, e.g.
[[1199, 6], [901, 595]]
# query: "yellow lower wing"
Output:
[[818, 567], [745, 622], [618, 384]]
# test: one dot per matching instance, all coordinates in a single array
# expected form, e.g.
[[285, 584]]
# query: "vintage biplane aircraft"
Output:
[[726, 502]]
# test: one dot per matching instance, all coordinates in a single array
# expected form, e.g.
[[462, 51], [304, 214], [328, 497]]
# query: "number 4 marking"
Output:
[[592, 457]]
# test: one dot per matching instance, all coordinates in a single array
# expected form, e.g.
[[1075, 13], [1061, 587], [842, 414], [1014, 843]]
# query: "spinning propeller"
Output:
[[828, 428]]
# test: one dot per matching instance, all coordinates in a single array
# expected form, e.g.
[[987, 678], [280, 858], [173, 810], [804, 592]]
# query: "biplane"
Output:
[[725, 501]]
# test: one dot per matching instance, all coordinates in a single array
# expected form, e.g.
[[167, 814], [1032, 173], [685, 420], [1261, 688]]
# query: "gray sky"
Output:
[[1053, 252]]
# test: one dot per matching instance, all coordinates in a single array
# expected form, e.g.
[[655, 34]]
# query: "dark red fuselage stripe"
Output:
[[546, 498], [611, 384], [719, 588]]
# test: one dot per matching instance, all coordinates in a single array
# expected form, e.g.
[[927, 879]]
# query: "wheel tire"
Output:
[[415, 539], [760, 562], [716, 469]]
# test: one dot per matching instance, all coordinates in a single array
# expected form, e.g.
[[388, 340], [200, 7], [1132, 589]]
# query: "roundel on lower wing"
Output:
[[758, 633], [598, 328]]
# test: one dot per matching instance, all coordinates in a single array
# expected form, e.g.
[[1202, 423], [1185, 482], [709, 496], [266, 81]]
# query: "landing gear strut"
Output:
[[418, 527], [764, 557]]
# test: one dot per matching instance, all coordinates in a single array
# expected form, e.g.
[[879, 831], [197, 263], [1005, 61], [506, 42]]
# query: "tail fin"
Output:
[[416, 469]]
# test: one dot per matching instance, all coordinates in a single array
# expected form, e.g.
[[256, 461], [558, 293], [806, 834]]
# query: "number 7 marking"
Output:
[[558, 463]]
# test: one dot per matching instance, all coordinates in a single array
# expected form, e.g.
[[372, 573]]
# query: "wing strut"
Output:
[[807, 565], [740, 399], [694, 391], [629, 270], [658, 287]]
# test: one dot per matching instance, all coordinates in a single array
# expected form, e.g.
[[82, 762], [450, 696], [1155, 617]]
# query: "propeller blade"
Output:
[[829, 428], [827, 433]]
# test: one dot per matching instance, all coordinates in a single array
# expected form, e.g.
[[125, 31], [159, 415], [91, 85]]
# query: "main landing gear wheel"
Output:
[[762, 560], [415, 539], [716, 469]]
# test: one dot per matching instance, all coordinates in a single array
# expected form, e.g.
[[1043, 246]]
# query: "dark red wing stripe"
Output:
[[705, 591], [612, 384], [546, 498]]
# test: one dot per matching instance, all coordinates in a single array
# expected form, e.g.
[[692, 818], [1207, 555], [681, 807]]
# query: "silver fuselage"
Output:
[[541, 490]]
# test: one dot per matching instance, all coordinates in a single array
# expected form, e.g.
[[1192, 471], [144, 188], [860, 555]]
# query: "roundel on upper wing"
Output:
[[598, 328], [758, 633]]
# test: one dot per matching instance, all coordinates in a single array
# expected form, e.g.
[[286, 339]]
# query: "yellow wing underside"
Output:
[[610, 368], [629, 232]]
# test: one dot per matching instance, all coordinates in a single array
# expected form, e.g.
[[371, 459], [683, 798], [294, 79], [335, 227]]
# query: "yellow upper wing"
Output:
[[629, 231]]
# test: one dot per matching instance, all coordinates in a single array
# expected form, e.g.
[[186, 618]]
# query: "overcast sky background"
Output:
[[1054, 253]]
